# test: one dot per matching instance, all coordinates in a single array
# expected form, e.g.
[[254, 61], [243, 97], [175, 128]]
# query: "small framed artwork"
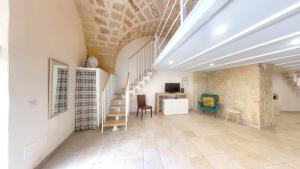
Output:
[[185, 82]]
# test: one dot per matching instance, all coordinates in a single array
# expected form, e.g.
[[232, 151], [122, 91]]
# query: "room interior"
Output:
[[150, 84]]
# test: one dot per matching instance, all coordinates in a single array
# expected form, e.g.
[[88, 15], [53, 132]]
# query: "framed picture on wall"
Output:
[[58, 87], [185, 82]]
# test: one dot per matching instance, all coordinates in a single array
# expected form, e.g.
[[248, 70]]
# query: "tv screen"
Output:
[[172, 87]]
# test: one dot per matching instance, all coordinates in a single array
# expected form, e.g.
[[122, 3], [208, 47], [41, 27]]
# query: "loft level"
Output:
[[222, 34]]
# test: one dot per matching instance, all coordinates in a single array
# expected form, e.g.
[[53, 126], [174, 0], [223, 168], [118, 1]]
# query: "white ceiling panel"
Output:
[[274, 58], [264, 39], [256, 31]]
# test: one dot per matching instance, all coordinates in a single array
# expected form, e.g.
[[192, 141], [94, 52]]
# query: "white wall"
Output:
[[103, 79], [39, 30], [122, 62], [157, 85], [288, 99], [4, 71], [157, 81]]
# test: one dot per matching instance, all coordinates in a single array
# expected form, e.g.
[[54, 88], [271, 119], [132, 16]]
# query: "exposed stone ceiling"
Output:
[[110, 24]]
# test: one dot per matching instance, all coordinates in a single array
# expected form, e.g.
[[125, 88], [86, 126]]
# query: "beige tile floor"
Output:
[[193, 141]]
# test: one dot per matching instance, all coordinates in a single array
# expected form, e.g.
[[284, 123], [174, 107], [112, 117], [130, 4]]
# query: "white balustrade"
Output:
[[165, 30], [107, 95], [141, 61], [141, 65], [127, 98]]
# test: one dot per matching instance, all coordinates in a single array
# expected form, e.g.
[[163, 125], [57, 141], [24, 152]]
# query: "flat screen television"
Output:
[[172, 87]]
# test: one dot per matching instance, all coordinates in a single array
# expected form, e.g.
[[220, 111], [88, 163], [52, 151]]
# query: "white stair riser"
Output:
[[118, 102], [117, 109], [119, 96]]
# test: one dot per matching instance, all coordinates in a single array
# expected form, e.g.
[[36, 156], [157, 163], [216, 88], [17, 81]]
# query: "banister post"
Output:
[[182, 11], [156, 46]]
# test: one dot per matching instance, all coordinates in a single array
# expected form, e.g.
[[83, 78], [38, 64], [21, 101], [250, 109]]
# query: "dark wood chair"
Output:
[[141, 104]]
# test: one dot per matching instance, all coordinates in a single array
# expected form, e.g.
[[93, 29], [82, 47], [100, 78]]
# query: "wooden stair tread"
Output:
[[118, 105], [111, 123], [118, 99], [116, 114], [119, 94]]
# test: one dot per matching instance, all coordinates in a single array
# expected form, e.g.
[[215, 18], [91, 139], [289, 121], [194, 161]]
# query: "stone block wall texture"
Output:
[[199, 85], [110, 24], [267, 117], [239, 89], [247, 89]]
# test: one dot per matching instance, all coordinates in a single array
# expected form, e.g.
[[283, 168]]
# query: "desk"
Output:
[[160, 96], [175, 106]]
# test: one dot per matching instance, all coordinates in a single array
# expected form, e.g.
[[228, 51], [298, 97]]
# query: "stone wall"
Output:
[[247, 89], [199, 85], [267, 118], [238, 89]]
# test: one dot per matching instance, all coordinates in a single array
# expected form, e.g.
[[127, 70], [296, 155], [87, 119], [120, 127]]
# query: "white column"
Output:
[[156, 44], [143, 62], [153, 54], [148, 57], [134, 69], [182, 11], [139, 67]]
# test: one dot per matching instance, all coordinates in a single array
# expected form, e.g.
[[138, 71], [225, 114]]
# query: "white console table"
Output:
[[175, 106], [159, 97]]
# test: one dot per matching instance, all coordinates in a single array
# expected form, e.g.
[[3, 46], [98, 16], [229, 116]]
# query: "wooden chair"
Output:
[[141, 100]]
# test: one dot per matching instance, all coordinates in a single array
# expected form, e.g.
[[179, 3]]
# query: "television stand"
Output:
[[159, 97]]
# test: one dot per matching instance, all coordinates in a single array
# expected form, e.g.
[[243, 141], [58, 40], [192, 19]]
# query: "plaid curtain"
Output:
[[61, 96], [86, 101]]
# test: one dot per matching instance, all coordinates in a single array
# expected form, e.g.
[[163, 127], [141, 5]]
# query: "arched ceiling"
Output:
[[110, 24]]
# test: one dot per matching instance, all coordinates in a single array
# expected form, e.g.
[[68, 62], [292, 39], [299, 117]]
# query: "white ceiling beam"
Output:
[[253, 57], [263, 61], [285, 63], [292, 35], [258, 26], [295, 68], [295, 65], [201, 14]]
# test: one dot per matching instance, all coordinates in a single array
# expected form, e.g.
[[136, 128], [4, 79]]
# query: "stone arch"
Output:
[[110, 24]]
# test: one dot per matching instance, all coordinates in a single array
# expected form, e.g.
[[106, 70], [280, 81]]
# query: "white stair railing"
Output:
[[107, 95], [127, 97], [173, 16], [140, 65], [293, 79]]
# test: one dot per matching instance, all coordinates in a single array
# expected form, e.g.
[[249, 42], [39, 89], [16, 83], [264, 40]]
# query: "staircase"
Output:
[[293, 79], [115, 106], [140, 68], [140, 65]]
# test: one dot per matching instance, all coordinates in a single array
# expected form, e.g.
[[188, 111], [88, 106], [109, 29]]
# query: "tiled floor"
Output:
[[193, 141]]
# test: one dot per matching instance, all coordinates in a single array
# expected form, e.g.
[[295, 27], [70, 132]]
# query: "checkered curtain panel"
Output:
[[61, 97], [86, 101]]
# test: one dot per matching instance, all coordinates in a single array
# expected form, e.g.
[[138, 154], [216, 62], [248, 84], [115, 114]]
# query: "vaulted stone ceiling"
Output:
[[110, 24]]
